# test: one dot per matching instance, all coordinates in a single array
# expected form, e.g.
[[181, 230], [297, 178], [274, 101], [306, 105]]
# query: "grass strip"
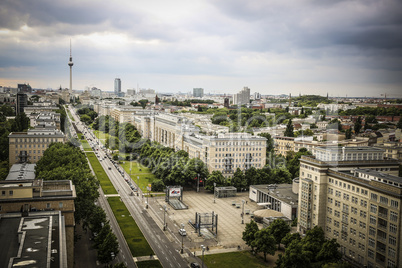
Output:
[[145, 175], [70, 115], [103, 179], [239, 259], [149, 264], [135, 239]]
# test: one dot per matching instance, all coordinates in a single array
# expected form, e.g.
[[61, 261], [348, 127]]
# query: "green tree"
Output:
[[399, 124], [270, 142], [249, 234], [348, 134], [239, 180], [264, 242], [294, 257], [329, 252], [86, 119], [289, 129], [289, 237], [109, 248], [358, 125], [278, 229], [215, 177], [21, 123], [97, 219]]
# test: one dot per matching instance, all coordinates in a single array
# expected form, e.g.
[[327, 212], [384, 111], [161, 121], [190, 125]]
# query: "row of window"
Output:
[[34, 146], [230, 149], [20, 140]]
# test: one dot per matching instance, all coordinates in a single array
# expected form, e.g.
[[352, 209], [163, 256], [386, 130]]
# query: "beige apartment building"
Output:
[[223, 152], [124, 114], [27, 196], [28, 147], [391, 150], [354, 195], [283, 144]]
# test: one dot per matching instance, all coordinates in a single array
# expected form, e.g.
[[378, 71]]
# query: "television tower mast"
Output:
[[70, 63]]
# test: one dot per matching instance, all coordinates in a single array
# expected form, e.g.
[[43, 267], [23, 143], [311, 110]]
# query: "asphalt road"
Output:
[[168, 253]]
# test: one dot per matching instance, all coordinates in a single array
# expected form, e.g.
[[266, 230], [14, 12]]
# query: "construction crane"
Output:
[[395, 95]]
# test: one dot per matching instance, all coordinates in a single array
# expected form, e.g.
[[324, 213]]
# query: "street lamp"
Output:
[[182, 237], [214, 190], [203, 250], [242, 213], [198, 183], [164, 219], [138, 184]]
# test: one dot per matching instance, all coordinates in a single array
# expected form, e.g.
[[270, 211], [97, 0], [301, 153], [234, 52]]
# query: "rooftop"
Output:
[[36, 240], [22, 172], [282, 192]]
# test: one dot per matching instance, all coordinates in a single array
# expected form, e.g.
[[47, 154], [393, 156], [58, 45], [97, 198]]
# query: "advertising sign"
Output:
[[174, 192]]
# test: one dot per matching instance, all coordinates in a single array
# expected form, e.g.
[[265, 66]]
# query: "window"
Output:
[[383, 200], [392, 240], [362, 236], [374, 197], [1, 208], [363, 203], [362, 225], [372, 231], [3, 193], [373, 209], [60, 204], [371, 242], [392, 228], [373, 220], [393, 216], [370, 253], [391, 252], [48, 205], [11, 193], [391, 264], [394, 203]]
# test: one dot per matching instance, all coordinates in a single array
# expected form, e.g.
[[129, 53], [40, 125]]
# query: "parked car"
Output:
[[194, 265], [182, 232]]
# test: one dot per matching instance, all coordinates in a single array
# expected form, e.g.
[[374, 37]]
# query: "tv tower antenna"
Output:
[[70, 63]]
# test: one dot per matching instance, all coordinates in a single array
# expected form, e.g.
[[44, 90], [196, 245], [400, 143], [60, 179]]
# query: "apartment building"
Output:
[[28, 147], [354, 195], [27, 196], [223, 152], [124, 114], [45, 120], [310, 144], [283, 144], [391, 150]]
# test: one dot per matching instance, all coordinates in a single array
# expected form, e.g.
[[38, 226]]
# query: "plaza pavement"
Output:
[[230, 228]]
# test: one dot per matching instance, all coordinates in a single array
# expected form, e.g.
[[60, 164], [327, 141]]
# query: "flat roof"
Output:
[[282, 192], [22, 172], [42, 243]]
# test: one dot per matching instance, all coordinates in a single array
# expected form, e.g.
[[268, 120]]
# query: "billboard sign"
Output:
[[174, 192]]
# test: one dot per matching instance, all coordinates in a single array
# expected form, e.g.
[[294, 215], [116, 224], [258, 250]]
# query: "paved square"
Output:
[[230, 228]]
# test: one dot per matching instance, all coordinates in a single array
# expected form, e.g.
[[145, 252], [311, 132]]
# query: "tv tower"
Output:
[[70, 63]]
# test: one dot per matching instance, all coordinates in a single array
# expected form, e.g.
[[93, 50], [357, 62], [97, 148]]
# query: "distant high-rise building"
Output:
[[257, 96], [22, 102], [130, 92], [226, 102], [117, 86], [198, 92], [24, 88], [70, 63], [243, 97]]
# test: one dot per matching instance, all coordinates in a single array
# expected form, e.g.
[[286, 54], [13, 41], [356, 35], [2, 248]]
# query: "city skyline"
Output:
[[343, 47]]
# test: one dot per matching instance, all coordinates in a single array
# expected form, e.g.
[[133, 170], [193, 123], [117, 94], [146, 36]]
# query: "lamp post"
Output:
[[242, 213], [214, 190], [202, 249], [198, 183], [182, 237], [164, 219], [138, 184]]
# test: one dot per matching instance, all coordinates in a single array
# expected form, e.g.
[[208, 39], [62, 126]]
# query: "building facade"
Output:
[[28, 147], [354, 195], [243, 97], [198, 92], [117, 86]]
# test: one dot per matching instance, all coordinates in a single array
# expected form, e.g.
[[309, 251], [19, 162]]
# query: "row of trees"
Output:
[[313, 250], [123, 137], [67, 162], [87, 115]]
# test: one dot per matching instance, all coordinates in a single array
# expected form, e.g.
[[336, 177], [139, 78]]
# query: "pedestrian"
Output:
[[194, 253]]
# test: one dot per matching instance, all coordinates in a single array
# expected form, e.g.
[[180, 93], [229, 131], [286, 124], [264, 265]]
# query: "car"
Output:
[[182, 232], [109, 168], [194, 265]]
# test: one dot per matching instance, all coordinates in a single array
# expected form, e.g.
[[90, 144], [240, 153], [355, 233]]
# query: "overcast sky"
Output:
[[348, 47]]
